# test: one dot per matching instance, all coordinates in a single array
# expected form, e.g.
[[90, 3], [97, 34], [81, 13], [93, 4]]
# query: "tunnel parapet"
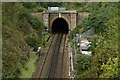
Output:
[[81, 16], [72, 17]]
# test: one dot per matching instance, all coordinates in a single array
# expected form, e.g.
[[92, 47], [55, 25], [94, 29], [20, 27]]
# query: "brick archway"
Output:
[[71, 17], [51, 22]]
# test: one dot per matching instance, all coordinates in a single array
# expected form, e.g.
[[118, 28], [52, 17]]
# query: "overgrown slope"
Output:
[[104, 62], [21, 34]]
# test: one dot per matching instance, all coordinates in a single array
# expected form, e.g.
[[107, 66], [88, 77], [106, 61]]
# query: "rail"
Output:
[[52, 66]]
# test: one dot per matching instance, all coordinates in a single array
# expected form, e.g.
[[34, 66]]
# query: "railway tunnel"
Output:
[[55, 63], [60, 25]]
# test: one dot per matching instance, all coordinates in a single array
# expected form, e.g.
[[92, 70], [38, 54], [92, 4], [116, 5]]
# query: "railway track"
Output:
[[53, 62], [60, 60]]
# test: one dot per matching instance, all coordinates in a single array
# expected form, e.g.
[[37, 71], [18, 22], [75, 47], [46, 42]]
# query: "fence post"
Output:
[[80, 43], [75, 51]]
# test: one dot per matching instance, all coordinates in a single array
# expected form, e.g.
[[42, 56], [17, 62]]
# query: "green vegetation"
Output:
[[21, 33], [40, 7], [78, 6], [76, 30], [33, 7], [83, 64], [110, 67], [46, 37], [105, 23], [29, 67], [104, 19], [80, 28], [33, 41]]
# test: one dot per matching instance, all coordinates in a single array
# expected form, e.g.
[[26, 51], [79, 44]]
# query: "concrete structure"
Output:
[[56, 9], [71, 17]]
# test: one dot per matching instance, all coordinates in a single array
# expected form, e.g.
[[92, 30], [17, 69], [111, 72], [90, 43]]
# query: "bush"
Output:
[[110, 69], [17, 22], [40, 9], [76, 30], [35, 22], [11, 64], [33, 41], [83, 63], [105, 23], [30, 5]]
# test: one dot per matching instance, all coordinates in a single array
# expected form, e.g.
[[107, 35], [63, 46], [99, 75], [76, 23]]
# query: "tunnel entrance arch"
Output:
[[60, 25]]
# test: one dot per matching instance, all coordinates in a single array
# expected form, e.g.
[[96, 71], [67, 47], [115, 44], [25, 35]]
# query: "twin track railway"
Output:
[[54, 59]]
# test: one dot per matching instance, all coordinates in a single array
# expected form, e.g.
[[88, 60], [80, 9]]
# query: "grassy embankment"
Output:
[[21, 35]]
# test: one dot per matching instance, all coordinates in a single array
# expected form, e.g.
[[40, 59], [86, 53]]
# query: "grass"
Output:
[[83, 74], [46, 37], [27, 72], [29, 66], [71, 43], [82, 10]]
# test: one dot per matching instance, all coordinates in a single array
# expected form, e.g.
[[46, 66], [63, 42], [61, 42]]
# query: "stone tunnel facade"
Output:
[[71, 17]]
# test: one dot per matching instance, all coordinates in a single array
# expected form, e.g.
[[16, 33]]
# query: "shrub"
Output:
[[110, 69], [83, 63], [11, 64], [33, 41], [76, 30], [35, 22], [40, 9]]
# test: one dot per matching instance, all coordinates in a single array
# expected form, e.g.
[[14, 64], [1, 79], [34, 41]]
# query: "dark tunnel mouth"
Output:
[[60, 25]]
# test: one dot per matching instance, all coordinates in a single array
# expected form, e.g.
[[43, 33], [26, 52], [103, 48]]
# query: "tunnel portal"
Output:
[[60, 25]]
